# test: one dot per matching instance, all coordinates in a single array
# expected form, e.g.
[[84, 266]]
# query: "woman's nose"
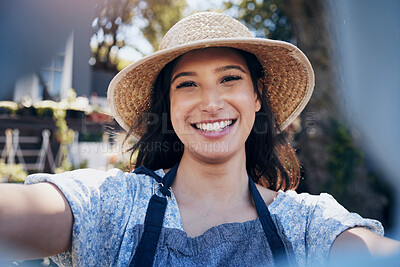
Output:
[[211, 100]]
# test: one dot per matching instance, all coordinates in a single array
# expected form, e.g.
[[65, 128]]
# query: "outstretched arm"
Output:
[[35, 219], [361, 240]]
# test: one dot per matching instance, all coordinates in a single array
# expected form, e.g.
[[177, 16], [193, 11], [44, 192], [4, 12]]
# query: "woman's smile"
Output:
[[214, 129], [214, 126], [212, 100]]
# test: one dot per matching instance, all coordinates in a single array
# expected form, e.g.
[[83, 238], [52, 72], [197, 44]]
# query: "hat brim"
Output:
[[289, 79]]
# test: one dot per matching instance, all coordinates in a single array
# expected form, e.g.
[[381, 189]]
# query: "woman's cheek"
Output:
[[179, 116]]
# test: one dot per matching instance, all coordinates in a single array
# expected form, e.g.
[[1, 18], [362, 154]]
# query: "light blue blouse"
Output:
[[109, 210]]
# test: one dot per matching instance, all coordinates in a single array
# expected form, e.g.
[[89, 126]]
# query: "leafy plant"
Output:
[[8, 107], [344, 159], [13, 173], [65, 137]]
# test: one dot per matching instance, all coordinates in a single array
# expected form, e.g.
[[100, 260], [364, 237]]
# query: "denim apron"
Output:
[[146, 250]]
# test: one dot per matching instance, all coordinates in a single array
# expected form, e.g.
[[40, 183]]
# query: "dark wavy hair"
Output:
[[270, 159]]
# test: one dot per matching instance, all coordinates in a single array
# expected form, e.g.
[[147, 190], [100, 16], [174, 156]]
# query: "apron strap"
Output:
[[146, 250], [143, 170], [275, 242]]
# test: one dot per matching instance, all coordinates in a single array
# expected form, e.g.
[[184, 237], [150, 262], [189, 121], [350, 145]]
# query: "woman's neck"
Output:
[[223, 184]]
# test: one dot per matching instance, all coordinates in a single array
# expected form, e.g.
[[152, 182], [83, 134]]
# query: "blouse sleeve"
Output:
[[100, 204], [328, 219]]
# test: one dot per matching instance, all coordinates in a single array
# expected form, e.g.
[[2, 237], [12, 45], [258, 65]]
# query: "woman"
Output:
[[206, 110]]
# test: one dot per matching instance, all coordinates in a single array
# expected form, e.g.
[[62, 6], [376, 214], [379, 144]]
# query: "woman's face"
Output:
[[213, 103]]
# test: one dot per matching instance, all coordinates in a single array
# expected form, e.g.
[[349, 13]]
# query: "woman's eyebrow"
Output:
[[183, 74], [224, 68]]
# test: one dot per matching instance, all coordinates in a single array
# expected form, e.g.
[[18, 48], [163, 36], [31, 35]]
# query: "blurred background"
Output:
[[57, 58]]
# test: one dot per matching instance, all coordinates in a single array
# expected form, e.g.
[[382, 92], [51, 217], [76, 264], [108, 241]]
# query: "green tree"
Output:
[[328, 151], [264, 18], [153, 17]]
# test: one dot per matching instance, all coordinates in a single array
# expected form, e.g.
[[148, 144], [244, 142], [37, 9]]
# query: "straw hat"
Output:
[[289, 78]]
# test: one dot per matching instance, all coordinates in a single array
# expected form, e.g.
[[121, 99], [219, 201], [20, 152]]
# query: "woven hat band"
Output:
[[210, 25]]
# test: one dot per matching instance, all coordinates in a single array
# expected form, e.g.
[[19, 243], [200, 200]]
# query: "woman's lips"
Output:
[[215, 126]]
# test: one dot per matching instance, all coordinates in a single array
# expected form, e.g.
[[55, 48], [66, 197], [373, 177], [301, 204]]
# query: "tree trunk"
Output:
[[311, 36]]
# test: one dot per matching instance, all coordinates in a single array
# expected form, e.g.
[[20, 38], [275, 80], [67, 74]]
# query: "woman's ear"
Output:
[[260, 87]]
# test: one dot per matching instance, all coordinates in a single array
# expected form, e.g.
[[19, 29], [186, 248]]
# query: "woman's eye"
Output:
[[185, 84], [230, 78]]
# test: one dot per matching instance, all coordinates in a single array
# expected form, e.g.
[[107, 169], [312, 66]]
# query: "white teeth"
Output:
[[213, 127]]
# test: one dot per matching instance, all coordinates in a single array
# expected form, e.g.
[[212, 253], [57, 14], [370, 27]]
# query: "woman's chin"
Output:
[[213, 152]]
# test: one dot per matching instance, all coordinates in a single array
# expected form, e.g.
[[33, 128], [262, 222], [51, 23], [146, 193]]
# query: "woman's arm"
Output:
[[361, 240], [36, 219]]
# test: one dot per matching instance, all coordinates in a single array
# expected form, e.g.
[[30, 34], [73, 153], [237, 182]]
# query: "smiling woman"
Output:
[[214, 175], [242, 72]]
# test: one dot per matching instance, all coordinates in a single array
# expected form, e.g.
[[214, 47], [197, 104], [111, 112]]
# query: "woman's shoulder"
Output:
[[294, 206], [291, 198], [281, 199], [89, 185], [318, 213], [268, 195], [90, 177]]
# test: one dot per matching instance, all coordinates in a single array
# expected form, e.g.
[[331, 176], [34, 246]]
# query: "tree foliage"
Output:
[[329, 154], [344, 159], [264, 18], [114, 17]]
